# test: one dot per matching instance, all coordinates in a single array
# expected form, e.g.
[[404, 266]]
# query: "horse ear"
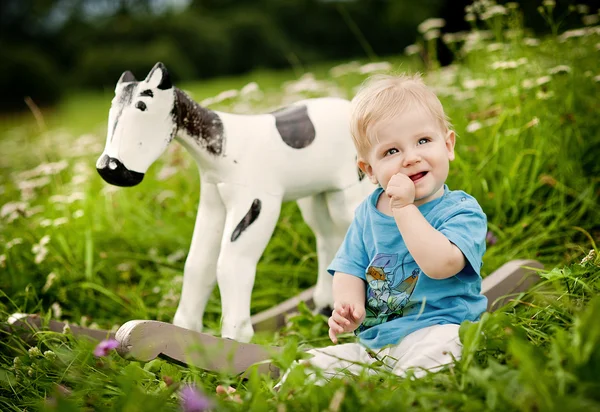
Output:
[[159, 77], [126, 77]]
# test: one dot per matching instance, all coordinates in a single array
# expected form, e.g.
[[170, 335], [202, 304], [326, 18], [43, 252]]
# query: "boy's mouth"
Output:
[[417, 176]]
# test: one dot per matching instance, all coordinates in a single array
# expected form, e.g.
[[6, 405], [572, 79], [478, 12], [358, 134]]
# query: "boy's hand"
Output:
[[344, 318], [401, 191]]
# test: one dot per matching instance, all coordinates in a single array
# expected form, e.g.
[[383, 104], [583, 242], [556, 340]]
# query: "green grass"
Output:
[[527, 150]]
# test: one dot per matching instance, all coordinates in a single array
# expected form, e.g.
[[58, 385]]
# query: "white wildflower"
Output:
[[166, 172], [412, 49], [542, 95], [345, 68], [448, 38], [375, 67], [569, 34], [543, 80], [226, 95], [11, 207], [78, 213], [250, 88], [251, 91], [14, 242], [207, 102], [596, 78], [591, 256], [306, 83], [471, 84], [164, 195], [474, 126], [35, 352], [60, 221], [505, 65], [108, 189], [79, 179], [560, 69], [45, 169], [470, 17], [176, 256], [82, 168], [532, 123], [493, 11], [431, 24], [28, 185], [46, 223], [34, 210], [527, 84], [531, 42], [495, 47], [50, 355], [590, 19], [49, 281], [124, 267], [432, 35], [56, 310], [39, 249]]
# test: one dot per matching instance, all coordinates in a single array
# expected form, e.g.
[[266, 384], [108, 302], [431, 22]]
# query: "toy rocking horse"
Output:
[[249, 165]]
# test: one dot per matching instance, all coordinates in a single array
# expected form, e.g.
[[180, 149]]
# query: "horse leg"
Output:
[[200, 268], [317, 217], [340, 208], [251, 219]]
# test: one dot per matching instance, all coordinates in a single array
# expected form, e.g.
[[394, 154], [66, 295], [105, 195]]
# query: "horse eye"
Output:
[[141, 106]]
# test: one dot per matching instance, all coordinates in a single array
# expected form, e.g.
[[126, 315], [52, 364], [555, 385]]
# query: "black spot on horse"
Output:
[[202, 124], [247, 220], [294, 126]]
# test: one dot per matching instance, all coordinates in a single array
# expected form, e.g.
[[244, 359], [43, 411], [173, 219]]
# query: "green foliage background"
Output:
[[73, 248]]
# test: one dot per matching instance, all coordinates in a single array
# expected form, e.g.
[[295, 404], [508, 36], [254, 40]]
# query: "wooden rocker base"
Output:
[[145, 340]]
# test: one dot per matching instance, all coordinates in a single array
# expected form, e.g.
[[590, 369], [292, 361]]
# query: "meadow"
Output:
[[526, 113]]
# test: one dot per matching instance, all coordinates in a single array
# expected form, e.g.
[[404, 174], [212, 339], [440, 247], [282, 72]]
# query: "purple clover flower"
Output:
[[192, 400], [105, 346], [490, 238]]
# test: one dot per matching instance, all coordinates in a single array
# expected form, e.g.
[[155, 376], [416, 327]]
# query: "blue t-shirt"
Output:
[[400, 297]]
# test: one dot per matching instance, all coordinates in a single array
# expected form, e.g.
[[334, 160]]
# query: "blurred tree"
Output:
[[47, 45]]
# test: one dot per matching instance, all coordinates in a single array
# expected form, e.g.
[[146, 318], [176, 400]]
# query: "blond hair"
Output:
[[382, 97]]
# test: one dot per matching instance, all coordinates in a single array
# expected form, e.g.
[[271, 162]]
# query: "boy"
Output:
[[408, 271]]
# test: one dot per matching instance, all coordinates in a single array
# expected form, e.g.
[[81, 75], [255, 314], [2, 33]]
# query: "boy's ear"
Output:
[[368, 170], [450, 143]]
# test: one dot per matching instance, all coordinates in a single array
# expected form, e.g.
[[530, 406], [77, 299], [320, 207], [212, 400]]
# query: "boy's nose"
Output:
[[410, 158]]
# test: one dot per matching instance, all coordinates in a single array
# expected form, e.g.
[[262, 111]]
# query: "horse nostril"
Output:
[[115, 172]]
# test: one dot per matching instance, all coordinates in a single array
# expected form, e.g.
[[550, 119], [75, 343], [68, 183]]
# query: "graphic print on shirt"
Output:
[[389, 289]]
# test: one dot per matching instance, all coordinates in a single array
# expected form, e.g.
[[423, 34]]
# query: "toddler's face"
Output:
[[411, 143]]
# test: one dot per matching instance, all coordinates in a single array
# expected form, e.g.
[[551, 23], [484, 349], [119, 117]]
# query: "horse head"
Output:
[[141, 123]]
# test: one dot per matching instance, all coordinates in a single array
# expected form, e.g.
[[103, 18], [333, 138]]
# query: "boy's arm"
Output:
[[437, 257], [349, 304], [348, 289]]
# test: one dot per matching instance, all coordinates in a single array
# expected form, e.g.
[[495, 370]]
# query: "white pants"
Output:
[[427, 349]]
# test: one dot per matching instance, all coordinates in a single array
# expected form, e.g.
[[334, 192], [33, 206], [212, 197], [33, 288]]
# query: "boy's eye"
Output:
[[423, 140], [390, 151]]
